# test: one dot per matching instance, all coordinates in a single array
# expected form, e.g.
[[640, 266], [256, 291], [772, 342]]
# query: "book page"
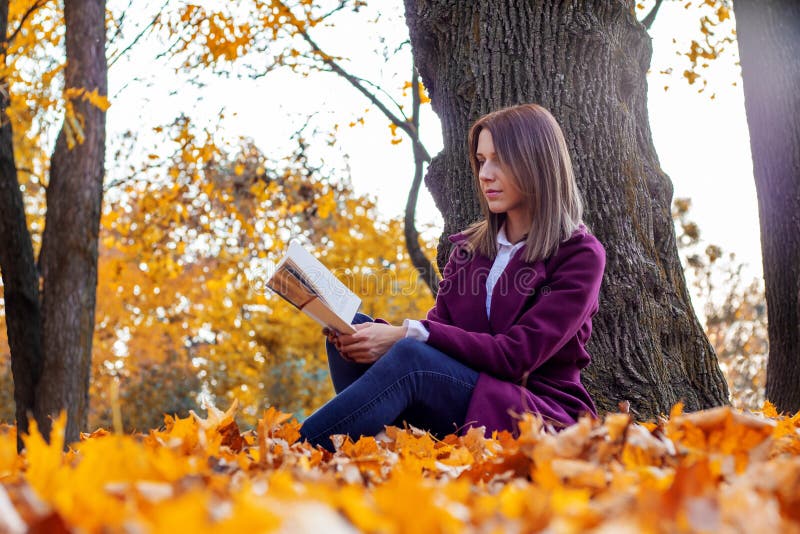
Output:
[[330, 289], [318, 311]]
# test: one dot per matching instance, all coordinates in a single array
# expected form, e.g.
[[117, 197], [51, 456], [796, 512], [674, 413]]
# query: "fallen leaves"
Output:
[[718, 469]]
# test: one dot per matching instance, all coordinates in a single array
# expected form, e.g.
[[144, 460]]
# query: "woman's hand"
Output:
[[370, 342]]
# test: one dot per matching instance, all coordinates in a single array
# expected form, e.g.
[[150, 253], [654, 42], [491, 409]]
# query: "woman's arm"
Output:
[[370, 342], [561, 309]]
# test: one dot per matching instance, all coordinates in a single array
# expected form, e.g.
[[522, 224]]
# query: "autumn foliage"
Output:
[[717, 470], [186, 239]]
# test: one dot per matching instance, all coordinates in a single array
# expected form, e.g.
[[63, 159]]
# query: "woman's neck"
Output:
[[517, 227]]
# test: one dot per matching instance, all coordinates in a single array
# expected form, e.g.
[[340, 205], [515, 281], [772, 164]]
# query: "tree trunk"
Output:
[[20, 277], [768, 32], [586, 62], [69, 244]]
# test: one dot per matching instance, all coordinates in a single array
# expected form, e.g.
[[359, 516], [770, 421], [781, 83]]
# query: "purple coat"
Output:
[[530, 353]]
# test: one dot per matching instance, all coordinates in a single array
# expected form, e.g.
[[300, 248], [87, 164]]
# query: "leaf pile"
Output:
[[715, 470]]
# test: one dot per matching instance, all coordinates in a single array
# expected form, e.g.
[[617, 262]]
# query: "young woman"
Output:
[[513, 314]]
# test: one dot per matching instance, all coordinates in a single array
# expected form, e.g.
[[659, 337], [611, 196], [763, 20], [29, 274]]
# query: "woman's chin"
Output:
[[497, 209]]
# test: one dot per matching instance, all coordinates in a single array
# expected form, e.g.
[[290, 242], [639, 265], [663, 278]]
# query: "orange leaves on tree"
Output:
[[73, 120], [423, 93], [396, 139], [181, 295], [691, 76], [93, 97], [210, 36]]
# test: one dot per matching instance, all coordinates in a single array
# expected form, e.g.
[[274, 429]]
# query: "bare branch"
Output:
[[648, 20], [28, 13], [120, 22], [335, 67], [342, 5], [418, 259], [139, 35], [385, 92], [358, 85]]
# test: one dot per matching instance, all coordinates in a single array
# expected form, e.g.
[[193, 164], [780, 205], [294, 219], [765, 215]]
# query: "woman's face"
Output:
[[497, 186]]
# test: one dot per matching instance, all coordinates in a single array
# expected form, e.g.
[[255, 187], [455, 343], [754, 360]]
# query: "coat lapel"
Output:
[[518, 281], [476, 290]]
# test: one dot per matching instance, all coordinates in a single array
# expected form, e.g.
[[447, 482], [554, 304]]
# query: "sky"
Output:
[[702, 143]]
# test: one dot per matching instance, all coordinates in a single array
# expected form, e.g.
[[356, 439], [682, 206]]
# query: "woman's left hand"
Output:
[[370, 342]]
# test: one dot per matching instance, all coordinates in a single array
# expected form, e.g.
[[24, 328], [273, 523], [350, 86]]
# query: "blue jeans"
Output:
[[412, 382]]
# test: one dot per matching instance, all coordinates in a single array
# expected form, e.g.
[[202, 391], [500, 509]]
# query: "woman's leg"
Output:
[[410, 374], [344, 372]]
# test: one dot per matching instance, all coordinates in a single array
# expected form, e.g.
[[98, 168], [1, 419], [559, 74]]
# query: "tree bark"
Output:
[[20, 277], [586, 62], [69, 244], [768, 32]]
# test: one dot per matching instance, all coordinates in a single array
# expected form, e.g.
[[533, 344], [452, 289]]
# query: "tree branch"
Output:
[[411, 127], [648, 20], [28, 13], [139, 36], [385, 92], [118, 33], [356, 83], [418, 259]]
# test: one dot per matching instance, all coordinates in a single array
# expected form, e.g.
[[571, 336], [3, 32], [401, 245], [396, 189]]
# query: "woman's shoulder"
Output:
[[458, 237], [583, 236], [583, 242]]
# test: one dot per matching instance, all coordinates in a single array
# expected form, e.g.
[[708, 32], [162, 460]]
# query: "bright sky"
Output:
[[703, 144]]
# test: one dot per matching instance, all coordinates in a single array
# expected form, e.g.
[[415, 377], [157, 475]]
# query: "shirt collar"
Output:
[[502, 239]]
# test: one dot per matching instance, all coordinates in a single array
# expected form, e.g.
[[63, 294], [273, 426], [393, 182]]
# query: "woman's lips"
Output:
[[491, 193]]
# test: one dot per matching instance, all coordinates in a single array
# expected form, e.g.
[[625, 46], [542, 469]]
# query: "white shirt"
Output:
[[505, 251]]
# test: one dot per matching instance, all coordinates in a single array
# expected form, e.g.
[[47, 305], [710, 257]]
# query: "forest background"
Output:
[[214, 159]]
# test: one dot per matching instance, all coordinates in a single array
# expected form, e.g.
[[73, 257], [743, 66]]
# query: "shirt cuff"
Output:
[[416, 330]]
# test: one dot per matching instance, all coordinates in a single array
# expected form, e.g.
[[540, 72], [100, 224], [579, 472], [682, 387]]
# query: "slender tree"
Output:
[[20, 277], [51, 337], [586, 62], [769, 46], [69, 244]]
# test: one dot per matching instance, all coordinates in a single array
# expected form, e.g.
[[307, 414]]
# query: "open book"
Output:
[[304, 282]]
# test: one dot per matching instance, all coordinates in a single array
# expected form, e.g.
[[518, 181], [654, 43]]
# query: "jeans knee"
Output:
[[410, 354], [362, 318], [408, 344]]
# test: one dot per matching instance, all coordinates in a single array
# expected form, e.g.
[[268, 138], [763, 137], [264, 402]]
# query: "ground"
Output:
[[715, 470]]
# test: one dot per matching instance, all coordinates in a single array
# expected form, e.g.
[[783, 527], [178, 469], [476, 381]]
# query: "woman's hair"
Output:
[[530, 147]]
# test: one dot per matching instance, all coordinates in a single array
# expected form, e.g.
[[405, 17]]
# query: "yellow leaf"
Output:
[[44, 460]]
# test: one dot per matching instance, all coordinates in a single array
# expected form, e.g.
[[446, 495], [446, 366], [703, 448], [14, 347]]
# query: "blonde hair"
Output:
[[530, 145]]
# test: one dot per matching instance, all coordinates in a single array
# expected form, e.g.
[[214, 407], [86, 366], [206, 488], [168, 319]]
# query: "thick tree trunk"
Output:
[[20, 277], [69, 244], [768, 32], [586, 62]]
